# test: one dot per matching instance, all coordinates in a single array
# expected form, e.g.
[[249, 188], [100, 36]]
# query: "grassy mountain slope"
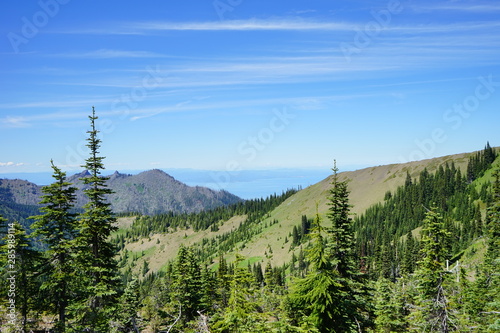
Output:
[[368, 186]]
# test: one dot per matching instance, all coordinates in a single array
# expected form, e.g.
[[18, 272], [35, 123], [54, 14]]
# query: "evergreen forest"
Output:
[[425, 259]]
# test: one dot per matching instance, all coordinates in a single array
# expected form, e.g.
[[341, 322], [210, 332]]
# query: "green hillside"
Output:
[[367, 186]]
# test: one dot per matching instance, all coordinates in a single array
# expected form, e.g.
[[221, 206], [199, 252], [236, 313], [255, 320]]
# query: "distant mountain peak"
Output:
[[76, 177], [149, 192], [158, 174], [117, 174], [84, 173]]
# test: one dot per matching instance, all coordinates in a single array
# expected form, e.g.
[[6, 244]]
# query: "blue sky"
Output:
[[241, 85]]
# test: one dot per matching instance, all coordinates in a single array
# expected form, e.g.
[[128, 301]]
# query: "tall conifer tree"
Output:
[[354, 310], [389, 307], [57, 228], [316, 298], [433, 311], [333, 294], [98, 268], [186, 283], [21, 265]]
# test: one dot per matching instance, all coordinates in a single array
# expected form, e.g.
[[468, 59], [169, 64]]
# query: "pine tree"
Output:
[[208, 290], [56, 227], [409, 259], [433, 313], [295, 236], [129, 306], [389, 308], [316, 298], [342, 236], [20, 268], [355, 311], [187, 283], [97, 266], [490, 277], [223, 282], [241, 314], [3, 226], [493, 253]]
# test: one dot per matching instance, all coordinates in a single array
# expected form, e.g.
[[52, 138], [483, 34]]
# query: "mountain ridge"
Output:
[[149, 192]]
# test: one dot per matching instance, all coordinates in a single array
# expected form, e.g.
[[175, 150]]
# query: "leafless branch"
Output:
[[176, 320]]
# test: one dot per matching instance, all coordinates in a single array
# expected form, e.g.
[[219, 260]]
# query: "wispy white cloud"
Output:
[[29, 120], [110, 54], [15, 122], [308, 102], [303, 11], [186, 105], [444, 28], [278, 24], [454, 7], [10, 164], [249, 24], [148, 27], [303, 25]]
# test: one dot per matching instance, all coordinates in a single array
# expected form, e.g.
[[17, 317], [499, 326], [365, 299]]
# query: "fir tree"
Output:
[[20, 268], [490, 277], [409, 259], [241, 314], [129, 306], [316, 298], [3, 226], [433, 313], [354, 309], [97, 266], [223, 282], [389, 308], [208, 290], [187, 283], [56, 227]]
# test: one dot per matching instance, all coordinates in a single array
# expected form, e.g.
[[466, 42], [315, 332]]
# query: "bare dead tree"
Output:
[[203, 323]]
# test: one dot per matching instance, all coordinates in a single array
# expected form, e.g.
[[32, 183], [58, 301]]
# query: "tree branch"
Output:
[[177, 319]]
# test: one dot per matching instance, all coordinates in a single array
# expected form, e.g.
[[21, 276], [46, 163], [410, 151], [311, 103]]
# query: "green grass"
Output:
[[250, 261], [143, 254], [472, 257], [488, 175]]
